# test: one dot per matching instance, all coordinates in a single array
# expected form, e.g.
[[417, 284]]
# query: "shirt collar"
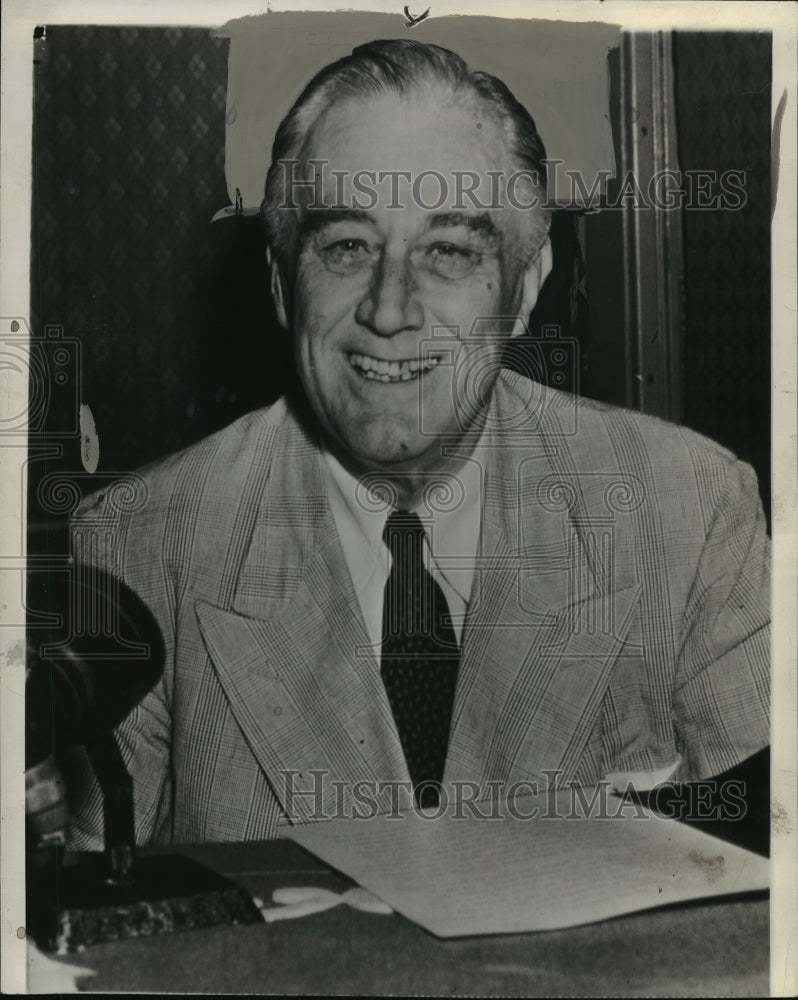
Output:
[[451, 516], [354, 506]]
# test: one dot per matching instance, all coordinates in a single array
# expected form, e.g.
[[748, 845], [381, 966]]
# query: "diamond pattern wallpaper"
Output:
[[128, 169]]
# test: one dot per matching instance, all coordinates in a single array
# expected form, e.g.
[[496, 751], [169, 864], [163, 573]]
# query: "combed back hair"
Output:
[[402, 67]]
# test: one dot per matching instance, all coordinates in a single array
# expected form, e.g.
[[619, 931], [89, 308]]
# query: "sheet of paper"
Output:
[[48, 975], [569, 863]]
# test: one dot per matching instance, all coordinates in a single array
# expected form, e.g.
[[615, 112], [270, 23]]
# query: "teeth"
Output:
[[391, 371]]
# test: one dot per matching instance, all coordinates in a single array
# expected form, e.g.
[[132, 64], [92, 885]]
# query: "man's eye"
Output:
[[447, 250], [347, 255], [450, 261]]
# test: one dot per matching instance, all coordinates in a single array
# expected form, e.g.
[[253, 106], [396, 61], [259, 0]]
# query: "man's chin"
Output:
[[388, 453], [393, 459]]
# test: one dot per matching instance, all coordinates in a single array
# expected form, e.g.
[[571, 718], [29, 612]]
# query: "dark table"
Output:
[[713, 948]]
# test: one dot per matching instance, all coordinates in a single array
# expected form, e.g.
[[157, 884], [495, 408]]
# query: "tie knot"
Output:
[[403, 531]]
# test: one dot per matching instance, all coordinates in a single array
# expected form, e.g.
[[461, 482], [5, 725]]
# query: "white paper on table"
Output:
[[46, 975], [462, 876]]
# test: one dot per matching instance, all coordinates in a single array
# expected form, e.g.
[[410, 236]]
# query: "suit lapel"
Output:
[[545, 627], [545, 624], [293, 655]]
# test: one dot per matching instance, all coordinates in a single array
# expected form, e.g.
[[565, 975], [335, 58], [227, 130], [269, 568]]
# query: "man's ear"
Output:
[[536, 273], [278, 289]]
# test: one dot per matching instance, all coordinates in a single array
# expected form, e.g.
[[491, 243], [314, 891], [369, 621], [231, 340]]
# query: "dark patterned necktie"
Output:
[[420, 656]]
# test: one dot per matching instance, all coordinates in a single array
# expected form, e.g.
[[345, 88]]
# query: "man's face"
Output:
[[385, 298]]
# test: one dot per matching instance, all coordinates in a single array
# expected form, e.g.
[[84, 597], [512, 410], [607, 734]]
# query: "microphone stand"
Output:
[[117, 788], [77, 900]]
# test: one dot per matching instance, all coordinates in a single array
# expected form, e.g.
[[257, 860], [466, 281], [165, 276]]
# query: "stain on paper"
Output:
[[713, 867], [779, 818]]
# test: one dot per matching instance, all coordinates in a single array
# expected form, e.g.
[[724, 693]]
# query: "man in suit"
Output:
[[422, 571]]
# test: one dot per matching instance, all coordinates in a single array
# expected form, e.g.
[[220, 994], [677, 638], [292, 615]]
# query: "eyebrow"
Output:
[[319, 218], [476, 223]]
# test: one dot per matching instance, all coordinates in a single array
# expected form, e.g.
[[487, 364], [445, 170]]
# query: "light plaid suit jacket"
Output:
[[618, 621]]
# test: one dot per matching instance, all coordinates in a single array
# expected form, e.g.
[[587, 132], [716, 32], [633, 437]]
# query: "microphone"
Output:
[[94, 650], [103, 656]]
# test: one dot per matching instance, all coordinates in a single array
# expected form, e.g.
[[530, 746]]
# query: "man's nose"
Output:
[[390, 304]]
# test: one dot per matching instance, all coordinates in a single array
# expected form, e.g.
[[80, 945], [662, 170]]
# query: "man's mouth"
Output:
[[391, 371]]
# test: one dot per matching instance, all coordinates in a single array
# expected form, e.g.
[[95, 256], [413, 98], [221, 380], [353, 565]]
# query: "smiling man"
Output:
[[385, 248], [422, 575]]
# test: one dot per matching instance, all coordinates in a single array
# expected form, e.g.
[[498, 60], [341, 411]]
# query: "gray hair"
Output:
[[396, 66]]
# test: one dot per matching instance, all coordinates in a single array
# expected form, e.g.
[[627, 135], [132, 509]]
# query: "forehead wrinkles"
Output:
[[433, 130], [436, 131]]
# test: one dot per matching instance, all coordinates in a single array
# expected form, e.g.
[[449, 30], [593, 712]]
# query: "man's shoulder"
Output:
[[612, 455], [597, 433], [217, 467], [251, 436]]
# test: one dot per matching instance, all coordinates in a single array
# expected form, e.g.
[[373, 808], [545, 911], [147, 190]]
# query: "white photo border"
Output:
[[20, 17]]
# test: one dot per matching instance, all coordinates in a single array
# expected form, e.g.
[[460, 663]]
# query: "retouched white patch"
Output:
[[89, 441]]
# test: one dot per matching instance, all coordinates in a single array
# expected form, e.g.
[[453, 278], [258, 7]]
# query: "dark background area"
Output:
[[170, 325], [723, 93], [722, 97]]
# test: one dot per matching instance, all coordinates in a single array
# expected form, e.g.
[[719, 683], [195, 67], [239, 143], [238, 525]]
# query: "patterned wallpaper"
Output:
[[128, 170]]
